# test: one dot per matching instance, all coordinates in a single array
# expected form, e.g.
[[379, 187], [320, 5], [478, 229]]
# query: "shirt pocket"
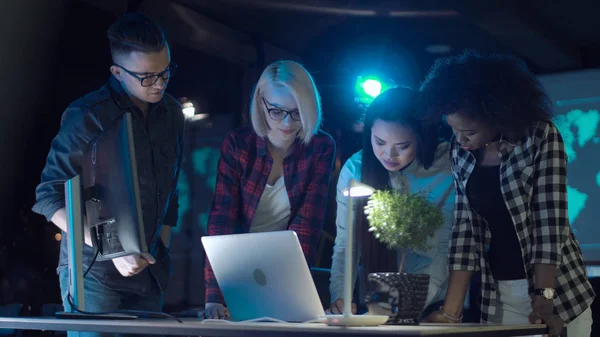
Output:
[[458, 182], [167, 164], [168, 159], [523, 181]]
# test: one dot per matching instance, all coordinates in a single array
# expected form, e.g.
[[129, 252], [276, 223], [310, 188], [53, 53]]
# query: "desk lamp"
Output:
[[355, 189]]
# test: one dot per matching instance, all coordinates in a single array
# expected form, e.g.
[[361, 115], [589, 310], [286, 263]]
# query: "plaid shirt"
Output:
[[533, 177], [243, 171]]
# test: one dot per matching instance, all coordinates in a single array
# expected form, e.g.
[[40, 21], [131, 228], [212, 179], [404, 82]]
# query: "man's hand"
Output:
[[215, 311], [337, 307], [133, 264], [543, 313], [60, 220]]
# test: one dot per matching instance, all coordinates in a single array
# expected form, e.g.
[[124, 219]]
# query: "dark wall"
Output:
[[30, 31]]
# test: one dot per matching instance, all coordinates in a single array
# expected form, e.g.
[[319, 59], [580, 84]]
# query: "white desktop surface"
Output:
[[195, 327]]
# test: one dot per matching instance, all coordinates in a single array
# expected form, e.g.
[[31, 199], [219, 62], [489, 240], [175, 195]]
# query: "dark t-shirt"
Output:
[[485, 196]]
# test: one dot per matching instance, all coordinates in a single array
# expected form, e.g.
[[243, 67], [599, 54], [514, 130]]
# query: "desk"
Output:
[[195, 327]]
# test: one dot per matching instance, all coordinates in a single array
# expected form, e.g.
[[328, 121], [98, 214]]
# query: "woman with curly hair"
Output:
[[511, 216]]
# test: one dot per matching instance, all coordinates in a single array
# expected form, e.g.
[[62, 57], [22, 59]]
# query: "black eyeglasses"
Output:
[[280, 114], [149, 80]]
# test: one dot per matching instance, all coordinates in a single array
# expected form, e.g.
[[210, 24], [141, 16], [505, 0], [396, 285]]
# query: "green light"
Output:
[[372, 88], [369, 87]]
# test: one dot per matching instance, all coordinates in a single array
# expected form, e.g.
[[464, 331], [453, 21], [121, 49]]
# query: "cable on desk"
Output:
[[148, 314], [259, 320]]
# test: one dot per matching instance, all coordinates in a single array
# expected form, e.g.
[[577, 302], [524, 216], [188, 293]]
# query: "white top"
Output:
[[273, 211]]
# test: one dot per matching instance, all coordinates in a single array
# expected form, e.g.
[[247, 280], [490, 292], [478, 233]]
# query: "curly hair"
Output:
[[498, 90]]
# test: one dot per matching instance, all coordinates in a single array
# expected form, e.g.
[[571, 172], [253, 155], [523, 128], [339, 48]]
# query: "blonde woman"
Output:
[[273, 175]]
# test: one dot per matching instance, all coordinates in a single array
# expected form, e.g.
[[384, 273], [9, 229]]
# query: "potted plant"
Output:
[[401, 221]]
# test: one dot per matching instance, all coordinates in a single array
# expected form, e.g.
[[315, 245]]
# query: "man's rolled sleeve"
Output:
[[64, 159]]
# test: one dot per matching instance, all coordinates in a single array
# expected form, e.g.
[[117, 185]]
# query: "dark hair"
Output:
[[135, 32], [498, 90], [398, 105]]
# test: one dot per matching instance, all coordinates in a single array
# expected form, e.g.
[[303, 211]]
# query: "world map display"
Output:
[[203, 169], [580, 129]]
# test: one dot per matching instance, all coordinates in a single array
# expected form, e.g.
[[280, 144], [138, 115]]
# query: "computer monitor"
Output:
[[113, 208], [108, 186]]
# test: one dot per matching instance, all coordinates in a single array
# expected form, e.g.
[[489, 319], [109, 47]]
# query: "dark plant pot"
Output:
[[400, 296]]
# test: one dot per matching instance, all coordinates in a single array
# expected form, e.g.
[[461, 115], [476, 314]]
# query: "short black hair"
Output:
[[496, 89], [135, 32]]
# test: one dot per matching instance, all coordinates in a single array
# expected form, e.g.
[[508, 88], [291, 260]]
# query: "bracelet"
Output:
[[441, 309]]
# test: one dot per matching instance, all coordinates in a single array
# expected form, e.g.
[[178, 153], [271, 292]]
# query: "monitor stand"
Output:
[[75, 228]]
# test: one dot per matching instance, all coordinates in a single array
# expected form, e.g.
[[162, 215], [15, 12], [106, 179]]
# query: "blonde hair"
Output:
[[296, 78]]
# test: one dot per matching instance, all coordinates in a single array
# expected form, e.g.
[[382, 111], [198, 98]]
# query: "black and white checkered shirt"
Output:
[[533, 176]]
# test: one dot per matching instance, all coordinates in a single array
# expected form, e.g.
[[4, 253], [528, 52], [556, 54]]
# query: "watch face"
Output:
[[549, 293]]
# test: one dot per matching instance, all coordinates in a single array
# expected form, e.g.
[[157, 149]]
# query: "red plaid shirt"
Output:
[[243, 171]]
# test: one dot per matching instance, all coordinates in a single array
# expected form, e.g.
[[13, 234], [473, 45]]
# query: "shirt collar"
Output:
[[439, 165], [124, 101], [261, 145], [504, 148]]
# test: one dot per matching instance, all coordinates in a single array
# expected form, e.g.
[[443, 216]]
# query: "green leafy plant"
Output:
[[403, 220]]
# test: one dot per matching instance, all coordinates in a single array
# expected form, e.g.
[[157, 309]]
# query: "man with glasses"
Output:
[[140, 71]]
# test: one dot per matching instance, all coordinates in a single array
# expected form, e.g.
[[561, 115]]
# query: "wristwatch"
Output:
[[547, 293]]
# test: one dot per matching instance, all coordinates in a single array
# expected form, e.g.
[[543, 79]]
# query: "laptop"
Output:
[[264, 275]]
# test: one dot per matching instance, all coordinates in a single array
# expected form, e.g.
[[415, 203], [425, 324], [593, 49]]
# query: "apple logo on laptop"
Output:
[[260, 277]]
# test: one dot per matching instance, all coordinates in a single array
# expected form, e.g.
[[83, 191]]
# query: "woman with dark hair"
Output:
[[398, 153], [510, 170]]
